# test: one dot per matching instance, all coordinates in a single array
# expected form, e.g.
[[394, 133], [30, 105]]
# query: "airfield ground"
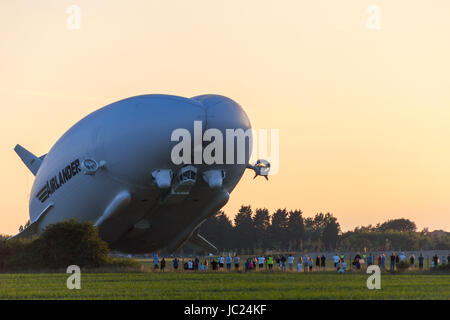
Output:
[[223, 285]]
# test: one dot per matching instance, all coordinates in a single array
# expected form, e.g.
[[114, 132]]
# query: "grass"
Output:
[[223, 285]]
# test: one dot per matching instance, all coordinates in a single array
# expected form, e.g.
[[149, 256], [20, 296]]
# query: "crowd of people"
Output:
[[397, 260], [301, 263]]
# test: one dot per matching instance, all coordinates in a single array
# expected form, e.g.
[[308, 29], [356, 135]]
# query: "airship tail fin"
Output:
[[31, 161]]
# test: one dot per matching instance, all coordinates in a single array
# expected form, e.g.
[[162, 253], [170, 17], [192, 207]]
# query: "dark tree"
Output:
[[219, 230], [330, 232], [279, 229], [244, 235], [296, 229], [401, 225], [261, 224]]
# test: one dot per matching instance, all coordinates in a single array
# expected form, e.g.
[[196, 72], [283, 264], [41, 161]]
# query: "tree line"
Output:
[[252, 232]]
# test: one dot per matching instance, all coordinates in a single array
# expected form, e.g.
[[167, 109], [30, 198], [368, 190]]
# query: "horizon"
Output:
[[363, 114], [305, 217]]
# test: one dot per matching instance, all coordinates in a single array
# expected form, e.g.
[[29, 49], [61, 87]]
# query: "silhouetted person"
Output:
[[283, 262], [392, 261], [214, 264], [196, 263], [236, 262], [421, 258], [412, 260]]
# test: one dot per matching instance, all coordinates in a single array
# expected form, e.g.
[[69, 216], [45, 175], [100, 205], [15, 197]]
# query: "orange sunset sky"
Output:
[[363, 114]]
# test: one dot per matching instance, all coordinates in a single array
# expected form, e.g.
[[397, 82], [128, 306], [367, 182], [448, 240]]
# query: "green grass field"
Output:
[[222, 285]]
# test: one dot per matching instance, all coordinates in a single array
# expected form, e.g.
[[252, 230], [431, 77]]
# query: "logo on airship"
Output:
[[57, 181]]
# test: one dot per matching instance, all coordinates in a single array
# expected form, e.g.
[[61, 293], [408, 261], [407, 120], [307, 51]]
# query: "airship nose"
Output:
[[224, 114]]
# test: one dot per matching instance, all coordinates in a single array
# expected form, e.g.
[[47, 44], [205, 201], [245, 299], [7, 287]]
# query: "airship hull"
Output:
[[103, 170]]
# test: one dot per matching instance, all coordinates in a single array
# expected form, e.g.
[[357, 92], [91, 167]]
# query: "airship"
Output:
[[116, 169]]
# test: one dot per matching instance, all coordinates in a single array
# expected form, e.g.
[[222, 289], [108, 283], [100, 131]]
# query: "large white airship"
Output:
[[115, 168]]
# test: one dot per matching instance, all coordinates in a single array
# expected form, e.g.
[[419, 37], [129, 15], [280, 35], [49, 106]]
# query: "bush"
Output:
[[442, 268], [403, 265], [60, 245], [70, 242]]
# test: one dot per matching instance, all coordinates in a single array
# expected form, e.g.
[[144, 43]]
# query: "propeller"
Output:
[[261, 168]]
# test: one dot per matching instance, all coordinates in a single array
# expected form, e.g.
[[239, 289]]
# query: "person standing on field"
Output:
[[299, 265], [155, 260], [261, 262], [283, 263], [336, 260], [323, 260], [196, 263], [228, 261], [278, 262], [221, 262], [435, 260], [369, 259], [412, 260], [318, 262], [236, 262], [270, 263], [421, 258], [392, 261], [290, 262]]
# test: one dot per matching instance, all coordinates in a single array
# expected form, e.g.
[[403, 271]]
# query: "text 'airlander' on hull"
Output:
[[115, 168]]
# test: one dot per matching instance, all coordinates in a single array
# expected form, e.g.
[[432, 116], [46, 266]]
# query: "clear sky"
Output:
[[363, 114]]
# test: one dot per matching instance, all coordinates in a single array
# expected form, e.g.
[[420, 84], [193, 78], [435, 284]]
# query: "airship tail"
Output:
[[31, 161]]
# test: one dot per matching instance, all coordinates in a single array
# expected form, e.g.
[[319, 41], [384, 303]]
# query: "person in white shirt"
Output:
[[221, 261], [290, 261], [261, 262], [336, 260], [305, 263]]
